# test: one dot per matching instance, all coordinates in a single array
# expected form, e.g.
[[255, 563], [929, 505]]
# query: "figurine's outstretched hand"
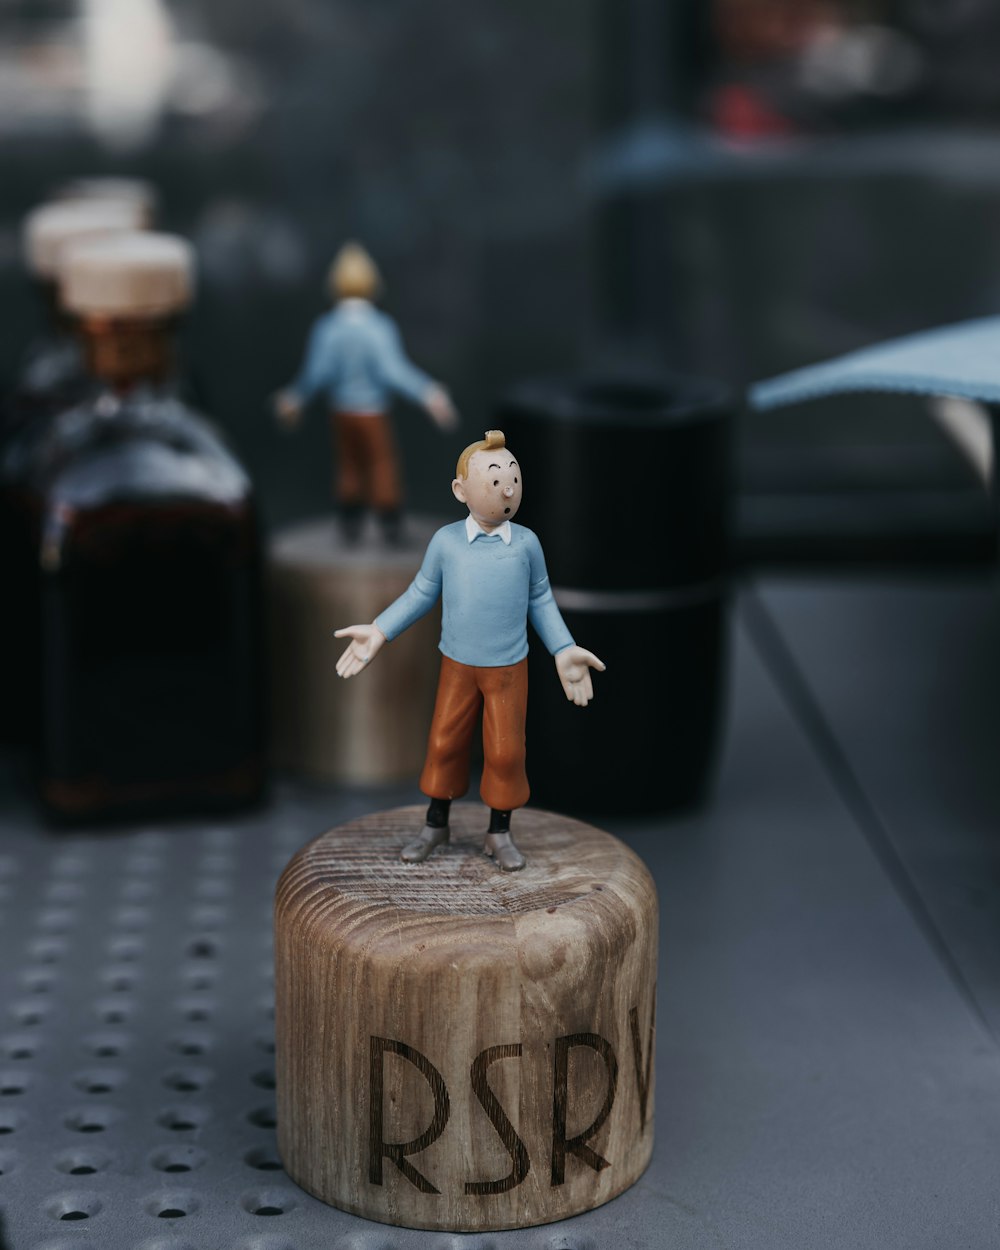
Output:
[[288, 409], [366, 642], [573, 666], [438, 403]]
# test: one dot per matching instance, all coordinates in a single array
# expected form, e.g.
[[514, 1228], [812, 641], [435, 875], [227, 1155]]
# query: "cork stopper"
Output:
[[136, 191], [51, 228], [130, 275]]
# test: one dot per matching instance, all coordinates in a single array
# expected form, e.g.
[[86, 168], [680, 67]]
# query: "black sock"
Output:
[[437, 813], [499, 820]]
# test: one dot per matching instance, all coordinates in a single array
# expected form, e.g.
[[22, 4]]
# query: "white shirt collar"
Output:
[[354, 304], [473, 529]]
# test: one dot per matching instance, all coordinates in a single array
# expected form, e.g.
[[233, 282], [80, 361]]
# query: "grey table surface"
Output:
[[827, 1067]]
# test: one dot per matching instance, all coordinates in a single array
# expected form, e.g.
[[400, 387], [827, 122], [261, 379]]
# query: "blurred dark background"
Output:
[[616, 188], [454, 147], [730, 188]]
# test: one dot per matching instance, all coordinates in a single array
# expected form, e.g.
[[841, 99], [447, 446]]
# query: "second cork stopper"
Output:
[[129, 275]]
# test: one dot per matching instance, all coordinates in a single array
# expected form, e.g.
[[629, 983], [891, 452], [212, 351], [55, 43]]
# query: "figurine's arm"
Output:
[[573, 663], [314, 374], [401, 375], [416, 601]]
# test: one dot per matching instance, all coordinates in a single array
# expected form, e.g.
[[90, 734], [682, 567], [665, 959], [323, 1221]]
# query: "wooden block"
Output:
[[460, 1048], [368, 731]]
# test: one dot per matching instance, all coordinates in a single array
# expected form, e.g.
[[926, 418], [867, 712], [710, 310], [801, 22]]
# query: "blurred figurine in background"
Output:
[[355, 358], [491, 578]]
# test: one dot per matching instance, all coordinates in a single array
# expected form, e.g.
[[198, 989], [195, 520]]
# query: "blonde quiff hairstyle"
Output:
[[493, 441], [353, 274]]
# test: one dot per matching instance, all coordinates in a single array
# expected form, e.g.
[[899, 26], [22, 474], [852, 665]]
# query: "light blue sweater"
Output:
[[489, 591], [355, 357]]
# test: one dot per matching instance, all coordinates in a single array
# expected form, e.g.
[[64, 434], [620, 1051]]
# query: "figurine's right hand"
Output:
[[288, 409], [367, 642], [438, 403]]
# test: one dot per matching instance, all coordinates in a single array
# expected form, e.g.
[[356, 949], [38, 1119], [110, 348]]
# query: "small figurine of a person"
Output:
[[491, 578], [355, 359]]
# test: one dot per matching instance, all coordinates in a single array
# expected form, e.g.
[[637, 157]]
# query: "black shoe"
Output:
[[391, 521], [352, 517], [427, 839], [501, 847]]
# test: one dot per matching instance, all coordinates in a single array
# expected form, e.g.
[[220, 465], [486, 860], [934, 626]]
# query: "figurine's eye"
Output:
[[515, 481], [496, 481]]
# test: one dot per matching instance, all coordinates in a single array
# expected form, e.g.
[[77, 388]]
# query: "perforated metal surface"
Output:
[[136, 1043]]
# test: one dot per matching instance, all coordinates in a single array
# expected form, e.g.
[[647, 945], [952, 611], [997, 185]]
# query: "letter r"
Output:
[[378, 1147]]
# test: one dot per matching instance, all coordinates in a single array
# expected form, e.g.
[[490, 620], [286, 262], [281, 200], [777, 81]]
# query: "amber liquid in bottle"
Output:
[[150, 614]]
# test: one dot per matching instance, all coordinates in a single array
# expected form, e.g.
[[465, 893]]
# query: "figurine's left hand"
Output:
[[287, 409], [573, 666]]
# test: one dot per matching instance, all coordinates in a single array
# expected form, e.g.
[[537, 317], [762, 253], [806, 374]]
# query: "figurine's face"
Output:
[[492, 490]]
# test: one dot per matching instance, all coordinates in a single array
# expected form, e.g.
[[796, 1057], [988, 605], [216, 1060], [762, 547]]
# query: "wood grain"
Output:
[[459, 1048], [373, 729]]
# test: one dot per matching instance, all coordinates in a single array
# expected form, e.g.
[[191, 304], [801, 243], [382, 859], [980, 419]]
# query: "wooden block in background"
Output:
[[460, 1048], [372, 729]]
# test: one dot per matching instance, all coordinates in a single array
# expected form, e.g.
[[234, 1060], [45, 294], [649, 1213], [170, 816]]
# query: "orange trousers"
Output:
[[502, 693], [367, 461]]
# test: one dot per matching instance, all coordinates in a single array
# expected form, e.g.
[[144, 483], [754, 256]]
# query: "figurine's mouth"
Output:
[[505, 511]]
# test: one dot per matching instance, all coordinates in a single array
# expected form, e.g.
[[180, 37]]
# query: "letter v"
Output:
[[643, 1071]]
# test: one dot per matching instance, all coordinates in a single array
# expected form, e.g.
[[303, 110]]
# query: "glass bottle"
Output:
[[150, 624], [52, 377]]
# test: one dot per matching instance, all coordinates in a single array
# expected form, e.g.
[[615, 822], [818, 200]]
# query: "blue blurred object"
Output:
[[920, 514], [960, 360]]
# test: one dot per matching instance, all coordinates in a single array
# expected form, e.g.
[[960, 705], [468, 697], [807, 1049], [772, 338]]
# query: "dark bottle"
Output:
[[150, 623], [51, 378]]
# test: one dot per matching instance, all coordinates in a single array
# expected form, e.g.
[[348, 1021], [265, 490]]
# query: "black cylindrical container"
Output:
[[627, 486]]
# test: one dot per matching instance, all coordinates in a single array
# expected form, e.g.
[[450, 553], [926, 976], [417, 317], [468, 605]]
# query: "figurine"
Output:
[[491, 577], [355, 357]]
